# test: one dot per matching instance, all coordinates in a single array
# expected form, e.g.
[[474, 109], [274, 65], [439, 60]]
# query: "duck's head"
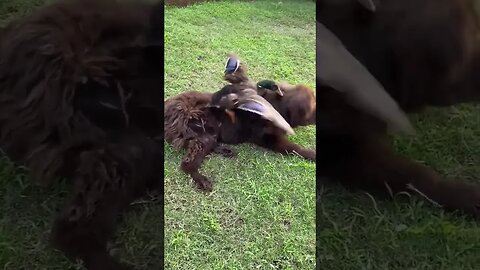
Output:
[[269, 85]]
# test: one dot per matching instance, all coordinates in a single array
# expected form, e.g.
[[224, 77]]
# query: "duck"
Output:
[[295, 103], [236, 72], [269, 85], [248, 100]]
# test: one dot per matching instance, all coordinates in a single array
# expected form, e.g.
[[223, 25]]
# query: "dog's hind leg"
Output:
[[198, 148], [375, 168], [281, 144]]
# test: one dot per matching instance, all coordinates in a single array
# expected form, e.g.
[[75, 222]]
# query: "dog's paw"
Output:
[[203, 183], [456, 195], [469, 201], [225, 152]]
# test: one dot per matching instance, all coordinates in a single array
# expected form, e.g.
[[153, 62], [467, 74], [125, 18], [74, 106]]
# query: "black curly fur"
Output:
[[189, 125]]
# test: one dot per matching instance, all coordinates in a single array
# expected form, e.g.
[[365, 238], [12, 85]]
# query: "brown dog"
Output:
[[192, 123], [80, 97], [189, 125], [425, 53], [297, 105]]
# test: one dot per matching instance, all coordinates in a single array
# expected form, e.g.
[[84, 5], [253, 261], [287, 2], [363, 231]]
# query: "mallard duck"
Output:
[[236, 74], [248, 100], [296, 103], [269, 85]]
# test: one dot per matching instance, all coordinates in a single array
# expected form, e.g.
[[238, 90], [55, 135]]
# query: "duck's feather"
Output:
[[267, 112], [253, 106], [231, 65]]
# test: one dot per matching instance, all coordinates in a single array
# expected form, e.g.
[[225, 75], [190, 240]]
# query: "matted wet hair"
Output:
[[81, 97]]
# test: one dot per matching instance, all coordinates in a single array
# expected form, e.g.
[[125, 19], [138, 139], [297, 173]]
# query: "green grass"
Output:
[[266, 219], [261, 214]]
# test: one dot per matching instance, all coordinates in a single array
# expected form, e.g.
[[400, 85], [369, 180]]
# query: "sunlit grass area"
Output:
[[261, 214]]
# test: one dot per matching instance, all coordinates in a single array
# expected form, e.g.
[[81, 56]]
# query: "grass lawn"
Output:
[[261, 214]]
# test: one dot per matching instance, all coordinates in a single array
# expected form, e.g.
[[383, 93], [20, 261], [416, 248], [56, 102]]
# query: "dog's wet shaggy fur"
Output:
[[189, 125], [81, 97], [423, 52]]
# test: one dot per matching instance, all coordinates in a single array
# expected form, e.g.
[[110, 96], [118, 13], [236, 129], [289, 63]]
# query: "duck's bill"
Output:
[[268, 113], [279, 91], [337, 68]]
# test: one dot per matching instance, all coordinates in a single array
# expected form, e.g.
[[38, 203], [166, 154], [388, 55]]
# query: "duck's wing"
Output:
[[232, 64], [337, 68], [260, 107]]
